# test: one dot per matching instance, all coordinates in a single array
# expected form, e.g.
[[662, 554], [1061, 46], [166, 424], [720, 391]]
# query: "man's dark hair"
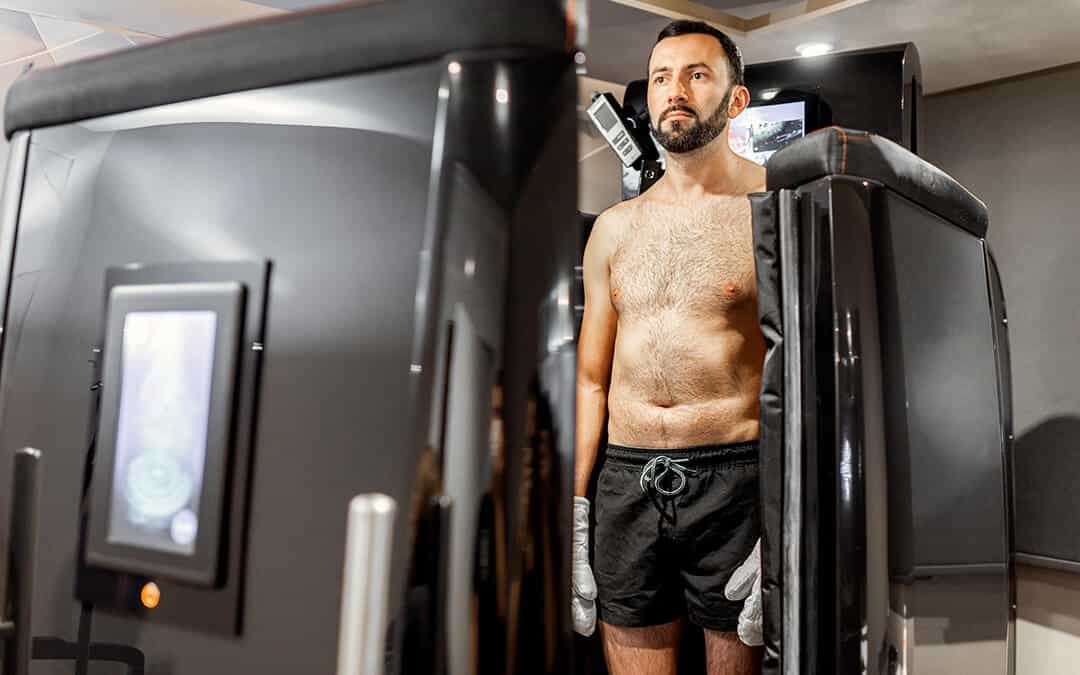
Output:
[[734, 57]]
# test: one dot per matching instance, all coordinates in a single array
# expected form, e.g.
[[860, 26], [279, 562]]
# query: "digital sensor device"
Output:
[[606, 115]]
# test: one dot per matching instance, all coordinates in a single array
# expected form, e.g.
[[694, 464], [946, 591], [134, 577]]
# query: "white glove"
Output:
[[745, 584], [583, 599]]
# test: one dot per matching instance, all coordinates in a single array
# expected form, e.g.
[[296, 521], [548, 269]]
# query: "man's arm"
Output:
[[596, 349]]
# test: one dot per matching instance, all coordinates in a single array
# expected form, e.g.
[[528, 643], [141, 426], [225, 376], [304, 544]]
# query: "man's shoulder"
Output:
[[615, 218], [609, 227], [618, 212]]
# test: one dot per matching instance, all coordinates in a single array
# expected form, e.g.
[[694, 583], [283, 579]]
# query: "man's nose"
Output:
[[677, 93]]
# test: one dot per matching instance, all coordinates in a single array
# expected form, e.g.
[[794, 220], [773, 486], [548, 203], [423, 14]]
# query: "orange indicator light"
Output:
[[150, 595]]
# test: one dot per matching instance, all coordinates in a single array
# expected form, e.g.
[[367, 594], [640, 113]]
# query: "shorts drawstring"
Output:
[[650, 477]]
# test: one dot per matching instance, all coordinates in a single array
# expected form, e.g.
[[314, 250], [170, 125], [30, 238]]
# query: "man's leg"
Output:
[[639, 600], [653, 650], [726, 655], [719, 515]]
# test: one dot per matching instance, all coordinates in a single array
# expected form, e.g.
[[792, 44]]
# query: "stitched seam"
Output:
[[725, 463], [690, 453], [843, 150], [749, 455]]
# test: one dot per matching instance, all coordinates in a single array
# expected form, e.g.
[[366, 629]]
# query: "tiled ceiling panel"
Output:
[[18, 36]]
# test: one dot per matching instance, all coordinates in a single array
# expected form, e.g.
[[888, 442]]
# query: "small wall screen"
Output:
[[762, 130]]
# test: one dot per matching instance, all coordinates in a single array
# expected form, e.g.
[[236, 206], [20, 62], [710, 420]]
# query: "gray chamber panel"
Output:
[[468, 353], [336, 200], [943, 422]]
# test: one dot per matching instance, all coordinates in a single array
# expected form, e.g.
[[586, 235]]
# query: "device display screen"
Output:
[[762, 130], [167, 361], [605, 117]]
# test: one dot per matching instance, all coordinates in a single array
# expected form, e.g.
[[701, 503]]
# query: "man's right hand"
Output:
[[583, 599]]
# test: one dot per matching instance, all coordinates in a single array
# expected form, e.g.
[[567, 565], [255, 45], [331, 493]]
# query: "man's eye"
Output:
[[660, 79], [698, 76]]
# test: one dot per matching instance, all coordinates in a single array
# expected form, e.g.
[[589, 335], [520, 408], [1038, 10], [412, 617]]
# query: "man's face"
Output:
[[689, 92]]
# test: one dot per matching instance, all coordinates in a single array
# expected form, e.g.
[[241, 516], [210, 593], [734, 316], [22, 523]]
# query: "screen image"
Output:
[[167, 362], [762, 130]]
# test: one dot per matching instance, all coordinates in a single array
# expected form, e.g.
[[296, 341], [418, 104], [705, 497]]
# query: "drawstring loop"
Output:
[[650, 476]]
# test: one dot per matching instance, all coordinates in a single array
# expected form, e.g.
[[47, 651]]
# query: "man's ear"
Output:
[[740, 99]]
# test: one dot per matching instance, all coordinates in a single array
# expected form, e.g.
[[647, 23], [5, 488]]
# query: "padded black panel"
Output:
[[291, 48], [766, 226], [844, 152], [636, 100]]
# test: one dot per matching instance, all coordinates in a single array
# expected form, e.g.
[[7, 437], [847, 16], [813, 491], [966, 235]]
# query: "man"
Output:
[[671, 352]]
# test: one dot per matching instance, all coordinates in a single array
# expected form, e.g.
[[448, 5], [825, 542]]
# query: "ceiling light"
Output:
[[769, 94], [814, 48]]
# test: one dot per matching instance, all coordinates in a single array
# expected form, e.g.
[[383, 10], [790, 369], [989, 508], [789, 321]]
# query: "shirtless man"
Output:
[[670, 350]]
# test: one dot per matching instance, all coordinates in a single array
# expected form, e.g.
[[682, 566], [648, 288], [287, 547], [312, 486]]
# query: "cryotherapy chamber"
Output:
[[250, 274], [886, 416]]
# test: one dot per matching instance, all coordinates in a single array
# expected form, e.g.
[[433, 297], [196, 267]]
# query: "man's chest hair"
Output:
[[693, 257]]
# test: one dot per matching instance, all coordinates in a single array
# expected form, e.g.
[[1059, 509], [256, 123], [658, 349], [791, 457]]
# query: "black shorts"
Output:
[[660, 556]]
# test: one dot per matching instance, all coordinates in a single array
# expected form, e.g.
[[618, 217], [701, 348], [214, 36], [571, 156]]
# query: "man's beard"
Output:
[[682, 138]]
